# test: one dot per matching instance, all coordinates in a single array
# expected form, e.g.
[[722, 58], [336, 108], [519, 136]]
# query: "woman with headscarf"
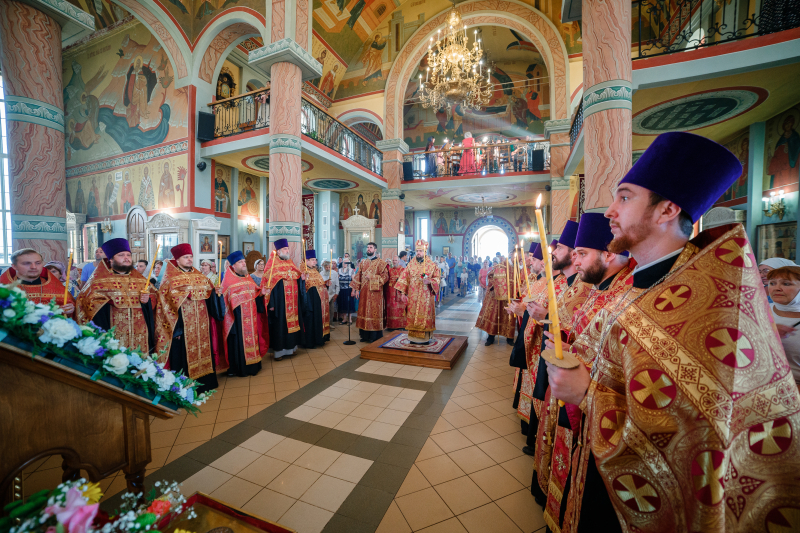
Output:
[[58, 269], [467, 164], [346, 301], [259, 273], [783, 286], [770, 264], [430, 159]]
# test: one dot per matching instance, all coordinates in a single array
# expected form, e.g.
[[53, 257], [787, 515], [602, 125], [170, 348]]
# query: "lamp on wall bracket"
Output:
[[774, 205], [451, 239], [251, 226], [107, 226]]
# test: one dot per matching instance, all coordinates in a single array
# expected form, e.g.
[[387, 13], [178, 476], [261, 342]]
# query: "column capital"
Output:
[[286, 51], [393, 144], [284, 143], [561, 125], [285, 229], [611, 94], [559, 183]]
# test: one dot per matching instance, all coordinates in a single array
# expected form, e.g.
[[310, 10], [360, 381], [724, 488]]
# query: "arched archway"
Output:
[[495, 222], [517, 16], [218, 40], [489, 240], [355, 116]]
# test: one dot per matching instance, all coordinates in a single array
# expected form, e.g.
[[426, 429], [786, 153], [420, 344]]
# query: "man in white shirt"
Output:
[[332, 278]]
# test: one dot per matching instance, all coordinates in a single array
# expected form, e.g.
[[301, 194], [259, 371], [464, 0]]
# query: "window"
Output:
[[381, 10], [5, 185], [423, 229]]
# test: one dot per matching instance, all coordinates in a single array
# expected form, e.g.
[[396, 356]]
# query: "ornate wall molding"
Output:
[[40, 225], [207, 223], [393, 144], [561, 125], [129, 159], [720, 216], [63, 9], [358, 226], [22, 109], [391, 194], [559, 183], [612, 94], [286, 51]]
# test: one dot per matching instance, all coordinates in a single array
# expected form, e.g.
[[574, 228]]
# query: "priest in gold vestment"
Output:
[[691, 412], [117, 296], [186, 304], [419, 282], [493, 318], [367, 285], [39, 284]]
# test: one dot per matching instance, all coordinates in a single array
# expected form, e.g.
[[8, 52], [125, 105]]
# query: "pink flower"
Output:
[[82, 519], [76, 516]]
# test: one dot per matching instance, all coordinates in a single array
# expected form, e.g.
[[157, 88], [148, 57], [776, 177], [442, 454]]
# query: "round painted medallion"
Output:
[[488, 197], [331, 184], [697, 110], [260, 163], [770, 438]]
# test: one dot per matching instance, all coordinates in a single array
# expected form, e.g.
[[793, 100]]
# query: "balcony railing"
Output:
[[499, 158], [250, 111], [576, 127], [326, 130], [246, 112], [668, 27]]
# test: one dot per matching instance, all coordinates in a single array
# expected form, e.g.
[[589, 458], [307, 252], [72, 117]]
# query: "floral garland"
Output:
[[73, 507], [46, 327]]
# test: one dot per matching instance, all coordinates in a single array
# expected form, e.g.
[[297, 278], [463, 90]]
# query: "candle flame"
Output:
[[538, 201]]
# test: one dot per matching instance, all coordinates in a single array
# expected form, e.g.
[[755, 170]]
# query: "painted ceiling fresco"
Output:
[[105, 12]]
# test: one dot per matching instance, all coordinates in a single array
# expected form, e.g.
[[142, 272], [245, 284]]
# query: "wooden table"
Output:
[[49, 409], [444, 360]]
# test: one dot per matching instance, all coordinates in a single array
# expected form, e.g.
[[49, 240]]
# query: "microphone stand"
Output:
[[349, 342]]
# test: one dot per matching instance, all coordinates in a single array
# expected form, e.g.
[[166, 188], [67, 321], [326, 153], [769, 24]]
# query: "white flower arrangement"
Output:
[[46, 327]]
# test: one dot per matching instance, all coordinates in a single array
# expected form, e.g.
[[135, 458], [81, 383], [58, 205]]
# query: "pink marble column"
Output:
[[607, 98], [392, 206], [30, 56], [559, 152], [285, 171], [559, 214]]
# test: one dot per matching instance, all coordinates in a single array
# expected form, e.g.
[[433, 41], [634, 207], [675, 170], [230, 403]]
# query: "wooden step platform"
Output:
[[444, 359]]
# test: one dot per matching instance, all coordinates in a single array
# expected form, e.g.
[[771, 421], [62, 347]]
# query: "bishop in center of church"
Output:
[[419, 283]]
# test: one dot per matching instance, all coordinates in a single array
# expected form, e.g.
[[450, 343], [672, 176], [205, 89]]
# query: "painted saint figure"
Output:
[[222, 199], [329, 81], [80, 202], [147, 198], [91, 204], [139, 85], [128, 199], [375, 208], [166, 191], [783, 168], [110, 199], [371, 55]]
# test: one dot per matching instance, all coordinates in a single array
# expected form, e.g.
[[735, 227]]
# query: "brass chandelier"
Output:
[[455, 72]]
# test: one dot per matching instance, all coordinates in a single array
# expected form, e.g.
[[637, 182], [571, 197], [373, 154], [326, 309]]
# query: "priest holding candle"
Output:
[[281, 286], [607, 275], [117, 296], [691, 412], [40, 285], [493, 319]]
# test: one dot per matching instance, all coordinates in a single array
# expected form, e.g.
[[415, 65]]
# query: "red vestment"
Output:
[[50, 287], [395, 307], [370, 297], [242, 291]]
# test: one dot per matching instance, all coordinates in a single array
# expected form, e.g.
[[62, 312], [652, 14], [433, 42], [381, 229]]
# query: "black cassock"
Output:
[[312, 320], [236, 359], [103, 319], [279, 336], [518, 360], [177, 350]]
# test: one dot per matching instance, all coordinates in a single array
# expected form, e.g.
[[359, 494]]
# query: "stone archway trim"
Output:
[[520, 17], [219, 44], [478, 223]]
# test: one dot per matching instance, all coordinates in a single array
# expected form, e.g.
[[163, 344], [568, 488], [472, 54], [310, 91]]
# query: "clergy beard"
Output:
[[420, 259], [594, 273], [370, 254], [564, 263], [121, 269], [629, 237], [285, 257]]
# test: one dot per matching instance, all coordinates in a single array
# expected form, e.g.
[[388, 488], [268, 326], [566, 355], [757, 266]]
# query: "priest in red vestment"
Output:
[[186, 304], [117, 296], [281, 285], [691, 411], [493, 318], [245, 324], [367, 285], [395, 304], [40, 285]]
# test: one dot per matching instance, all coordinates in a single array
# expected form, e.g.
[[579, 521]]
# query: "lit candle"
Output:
[[219, 276], [508, 279], [525, 270], [555, 327], [274, 260], [155, 254], [69, 270]]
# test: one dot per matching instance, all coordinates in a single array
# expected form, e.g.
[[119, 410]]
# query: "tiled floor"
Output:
[[361, 408], [321, 442], [401, 371]]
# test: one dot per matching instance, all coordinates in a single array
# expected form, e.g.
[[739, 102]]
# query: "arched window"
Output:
[[381, 10]]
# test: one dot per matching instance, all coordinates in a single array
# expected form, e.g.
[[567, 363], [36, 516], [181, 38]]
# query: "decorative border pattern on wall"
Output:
[[130, 158], [475, 225]]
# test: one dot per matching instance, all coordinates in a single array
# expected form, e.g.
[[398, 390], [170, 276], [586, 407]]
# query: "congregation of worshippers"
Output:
[[677, 354]]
